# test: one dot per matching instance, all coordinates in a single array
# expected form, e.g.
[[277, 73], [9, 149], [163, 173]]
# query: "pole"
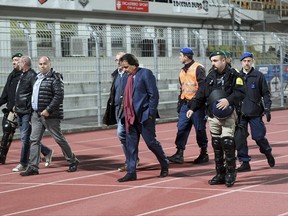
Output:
[[233, 30], [98, 73], [155, 50], [98, 77]]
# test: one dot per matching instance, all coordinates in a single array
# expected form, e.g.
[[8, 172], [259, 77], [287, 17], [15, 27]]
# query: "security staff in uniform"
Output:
[[252, 111], [192, 77], [228, 57], [223, 89], [9, 121]]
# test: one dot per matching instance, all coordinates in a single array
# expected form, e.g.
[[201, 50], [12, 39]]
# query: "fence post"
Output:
[[98, 74], [155, 50], [28, 37], [281, 67], [203, 46]]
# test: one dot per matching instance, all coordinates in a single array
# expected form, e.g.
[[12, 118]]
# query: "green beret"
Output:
[[217, 52], [17, 55], [228, 54]]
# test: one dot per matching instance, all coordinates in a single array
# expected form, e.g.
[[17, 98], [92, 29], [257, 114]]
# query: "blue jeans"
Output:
[[121, 132], [25, 130]]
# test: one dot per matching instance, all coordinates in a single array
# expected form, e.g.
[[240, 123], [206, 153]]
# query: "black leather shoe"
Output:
[[202, 158], [270, 159], [164, 172], [218, 179], [73, 166], [30, 171], [128, 177], [245, 167]]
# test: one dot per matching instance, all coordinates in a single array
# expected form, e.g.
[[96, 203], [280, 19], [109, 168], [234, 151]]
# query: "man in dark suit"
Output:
[[141, 99]]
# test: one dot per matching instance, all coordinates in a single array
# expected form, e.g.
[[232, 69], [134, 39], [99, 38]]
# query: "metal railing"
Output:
[[84, 53]]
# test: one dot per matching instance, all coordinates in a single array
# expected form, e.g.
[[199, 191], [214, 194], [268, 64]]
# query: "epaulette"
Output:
[[234, 69]]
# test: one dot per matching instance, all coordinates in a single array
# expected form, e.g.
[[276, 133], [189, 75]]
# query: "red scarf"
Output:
[[128, 101]]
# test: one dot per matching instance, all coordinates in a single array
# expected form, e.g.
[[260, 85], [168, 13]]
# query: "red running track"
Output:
[[94, 190]]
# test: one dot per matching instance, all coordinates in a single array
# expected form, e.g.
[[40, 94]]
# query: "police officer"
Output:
[[223, 89], [228, 57], [8, 98], [252, 108], [191, 78]]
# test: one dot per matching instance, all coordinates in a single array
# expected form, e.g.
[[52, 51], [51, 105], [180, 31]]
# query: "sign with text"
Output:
[[190, 6], [135, 6]]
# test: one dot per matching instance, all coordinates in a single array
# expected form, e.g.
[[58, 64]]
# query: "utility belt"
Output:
[[185, 101]]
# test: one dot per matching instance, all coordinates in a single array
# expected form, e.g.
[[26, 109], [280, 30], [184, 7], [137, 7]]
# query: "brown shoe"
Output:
[[123, 168]]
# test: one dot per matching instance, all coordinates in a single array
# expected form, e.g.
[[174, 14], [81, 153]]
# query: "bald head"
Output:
[[25, 63], [117, 57], [44, 64]]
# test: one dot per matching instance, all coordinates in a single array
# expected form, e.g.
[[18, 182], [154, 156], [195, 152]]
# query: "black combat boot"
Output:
[[219, 178], [229, 149], [267, 152], [3, 154], [203, 157], [245, 167], [177, 157], [219, 162]]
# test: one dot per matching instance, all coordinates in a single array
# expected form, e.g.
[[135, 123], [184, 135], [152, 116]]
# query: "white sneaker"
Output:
[[19, 168], [48, 158]]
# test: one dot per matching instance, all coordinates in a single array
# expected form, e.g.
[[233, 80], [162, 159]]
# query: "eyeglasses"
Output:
[[125, 67]]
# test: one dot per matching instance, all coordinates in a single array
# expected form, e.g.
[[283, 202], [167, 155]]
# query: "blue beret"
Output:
[[187, 50], [246, 55], [217, 52], [17, 55]]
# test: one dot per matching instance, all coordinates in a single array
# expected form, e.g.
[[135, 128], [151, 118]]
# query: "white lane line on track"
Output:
[[87, 198], [209, 197], [114, 171], [136, 187]]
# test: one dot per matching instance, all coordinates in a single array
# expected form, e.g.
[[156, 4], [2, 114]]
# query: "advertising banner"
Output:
[[190, 6], [128, 5]]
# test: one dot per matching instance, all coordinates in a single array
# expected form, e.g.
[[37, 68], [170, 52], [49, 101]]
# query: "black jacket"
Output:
[[8, 93], [232, 84], [51, 94], [109, 117], [24, 92], [256, 88]]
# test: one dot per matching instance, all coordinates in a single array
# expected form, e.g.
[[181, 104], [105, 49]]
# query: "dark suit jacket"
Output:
[[145, 95]]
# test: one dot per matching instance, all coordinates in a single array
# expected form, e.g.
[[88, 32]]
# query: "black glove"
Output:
[[268, 115]]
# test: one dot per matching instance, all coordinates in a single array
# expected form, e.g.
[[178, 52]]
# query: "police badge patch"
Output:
[[84, 2], [42, 1]]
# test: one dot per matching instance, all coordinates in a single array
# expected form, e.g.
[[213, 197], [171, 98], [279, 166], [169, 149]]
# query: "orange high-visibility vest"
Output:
[[188, 81]]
